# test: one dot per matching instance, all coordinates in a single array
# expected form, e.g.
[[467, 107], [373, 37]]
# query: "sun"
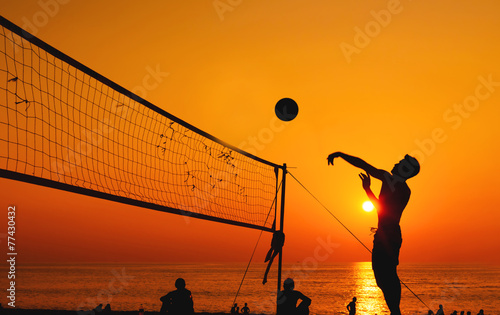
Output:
[[368, 206]]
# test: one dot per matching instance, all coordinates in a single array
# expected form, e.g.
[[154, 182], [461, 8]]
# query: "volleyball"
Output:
[[286, 109]]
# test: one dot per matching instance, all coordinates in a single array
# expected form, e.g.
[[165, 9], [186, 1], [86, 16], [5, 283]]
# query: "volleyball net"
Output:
[[64, 126]]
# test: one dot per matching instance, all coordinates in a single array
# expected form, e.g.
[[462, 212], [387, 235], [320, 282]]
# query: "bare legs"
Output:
[[388, 281]]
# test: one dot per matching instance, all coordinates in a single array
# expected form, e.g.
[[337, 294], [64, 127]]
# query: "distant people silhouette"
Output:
[[440, 311], [98, 308], [245, 309], [351, 307], [235, 309], [288, 298], [462, 313], [107, 309], [393, 198], [468, 312], [481, 312], [454, 313], [178, 302]]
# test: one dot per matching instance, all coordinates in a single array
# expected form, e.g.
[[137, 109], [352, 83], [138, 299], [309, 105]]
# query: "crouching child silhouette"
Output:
[[393, 198]]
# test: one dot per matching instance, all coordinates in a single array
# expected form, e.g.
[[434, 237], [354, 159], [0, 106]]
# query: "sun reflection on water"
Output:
[[369, 297]]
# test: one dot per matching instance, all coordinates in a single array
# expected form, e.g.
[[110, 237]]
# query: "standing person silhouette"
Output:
[[178, 302], [351, 307], [392, 200]]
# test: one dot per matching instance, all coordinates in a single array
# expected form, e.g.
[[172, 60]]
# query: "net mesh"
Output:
[[61, 122]]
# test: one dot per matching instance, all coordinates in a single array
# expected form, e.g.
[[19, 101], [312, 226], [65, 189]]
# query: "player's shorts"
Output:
[[386, 245]]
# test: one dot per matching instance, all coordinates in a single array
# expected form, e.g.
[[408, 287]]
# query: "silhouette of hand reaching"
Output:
[[365, 179], [332, 156]]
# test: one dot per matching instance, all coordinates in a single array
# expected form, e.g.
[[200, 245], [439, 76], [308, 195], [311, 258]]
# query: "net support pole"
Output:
[[282, 219]]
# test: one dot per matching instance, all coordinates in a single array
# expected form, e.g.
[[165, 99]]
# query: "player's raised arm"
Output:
[[357, 162], [365, 179]]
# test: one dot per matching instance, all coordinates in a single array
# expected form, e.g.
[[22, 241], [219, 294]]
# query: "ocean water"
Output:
[[214, 286]]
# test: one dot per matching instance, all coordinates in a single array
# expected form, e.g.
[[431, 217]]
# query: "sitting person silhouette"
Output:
[[288, 298], [393, 198], [98, 309], [245, 309], [178, 302], [235, 309], [107, 309], [440, 311]]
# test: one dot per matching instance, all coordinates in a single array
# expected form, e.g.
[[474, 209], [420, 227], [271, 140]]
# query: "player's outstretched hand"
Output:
[[332, 156], [365, 179]]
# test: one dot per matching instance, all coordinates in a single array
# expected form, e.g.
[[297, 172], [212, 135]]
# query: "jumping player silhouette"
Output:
[[392, 200]]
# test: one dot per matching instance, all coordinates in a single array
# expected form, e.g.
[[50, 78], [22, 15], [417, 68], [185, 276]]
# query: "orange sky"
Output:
[[376, 79]]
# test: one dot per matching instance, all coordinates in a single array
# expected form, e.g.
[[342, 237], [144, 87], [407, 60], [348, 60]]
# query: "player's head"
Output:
[[406, 168], [288, 284], [180, 283]]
